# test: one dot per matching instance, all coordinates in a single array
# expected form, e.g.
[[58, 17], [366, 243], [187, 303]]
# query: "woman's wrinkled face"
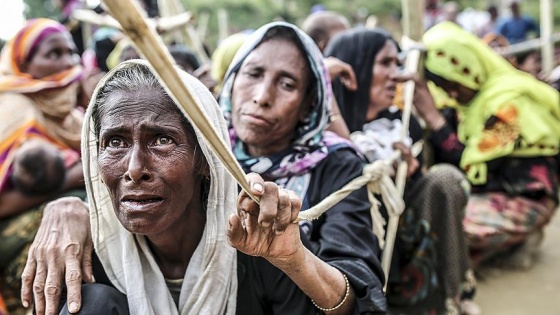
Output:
[[56, 53], [147, 160], [269, 96], [383, 86]]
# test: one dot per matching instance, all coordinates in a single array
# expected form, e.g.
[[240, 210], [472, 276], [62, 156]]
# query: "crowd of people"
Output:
[[111, 202]]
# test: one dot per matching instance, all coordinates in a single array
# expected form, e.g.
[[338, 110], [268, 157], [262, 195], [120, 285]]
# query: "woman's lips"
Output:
[[256, 119], [141, 203]]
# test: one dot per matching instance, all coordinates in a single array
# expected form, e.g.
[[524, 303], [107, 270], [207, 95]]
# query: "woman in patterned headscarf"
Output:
[[276, 97], [506, 140], [39, 86]]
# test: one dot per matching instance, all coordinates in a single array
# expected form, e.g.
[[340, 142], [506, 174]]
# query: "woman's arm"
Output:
[[444, 137], [268, 230], [62, 249]]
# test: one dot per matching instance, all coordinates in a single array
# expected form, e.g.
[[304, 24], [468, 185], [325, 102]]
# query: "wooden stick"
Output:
[[162, 25], [547, 51], [202, 25], [528, 45], [412, 28], [175, 7], [150, 45]]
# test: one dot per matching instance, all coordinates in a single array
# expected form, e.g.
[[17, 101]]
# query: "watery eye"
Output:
[[115, 143], [164, 141]]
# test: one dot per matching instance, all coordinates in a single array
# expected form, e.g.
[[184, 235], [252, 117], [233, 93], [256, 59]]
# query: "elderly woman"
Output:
[[39, 137], [329, 265], [507, 136], [430, 260]]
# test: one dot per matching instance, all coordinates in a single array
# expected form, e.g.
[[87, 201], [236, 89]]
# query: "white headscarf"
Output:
[[210, 283]]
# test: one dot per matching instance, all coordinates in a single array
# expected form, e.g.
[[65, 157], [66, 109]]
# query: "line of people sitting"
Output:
[[164, 229]]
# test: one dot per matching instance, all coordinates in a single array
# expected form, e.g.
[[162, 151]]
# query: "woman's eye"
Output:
[[288, 85], [54, 54], [115, 143], [163, 141]]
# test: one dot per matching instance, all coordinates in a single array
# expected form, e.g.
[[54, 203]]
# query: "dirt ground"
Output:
[[536, 291]]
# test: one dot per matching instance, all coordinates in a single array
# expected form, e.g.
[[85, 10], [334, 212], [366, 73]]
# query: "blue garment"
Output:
[[516, 29]]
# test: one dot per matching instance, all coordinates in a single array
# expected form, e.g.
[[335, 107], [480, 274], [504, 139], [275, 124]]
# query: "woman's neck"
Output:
[[173, 250]]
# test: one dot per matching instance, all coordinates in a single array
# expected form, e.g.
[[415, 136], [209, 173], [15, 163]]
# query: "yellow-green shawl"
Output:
[[513, 114]]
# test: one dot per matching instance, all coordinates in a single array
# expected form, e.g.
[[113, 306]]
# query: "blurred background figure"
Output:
[[322, 26], [490, 25], [517, 27]]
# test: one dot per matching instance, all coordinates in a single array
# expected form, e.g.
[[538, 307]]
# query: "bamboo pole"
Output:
[[150, 45], [222, 24], [547, 50], [202, 27], [413, 26], [162, 25], [528, 45]]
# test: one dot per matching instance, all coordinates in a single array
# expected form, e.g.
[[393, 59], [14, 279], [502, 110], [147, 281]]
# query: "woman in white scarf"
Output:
[[131, 260]]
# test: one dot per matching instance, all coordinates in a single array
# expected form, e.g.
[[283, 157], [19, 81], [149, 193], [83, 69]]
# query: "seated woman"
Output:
[[507, 137], [430, 261], [301, 270], [39, 89], [276, 97]]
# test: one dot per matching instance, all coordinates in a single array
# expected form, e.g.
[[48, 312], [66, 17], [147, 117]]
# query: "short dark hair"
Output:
[[43, 173]]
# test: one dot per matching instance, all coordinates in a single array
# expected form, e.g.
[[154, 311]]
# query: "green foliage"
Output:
[[40, 8]]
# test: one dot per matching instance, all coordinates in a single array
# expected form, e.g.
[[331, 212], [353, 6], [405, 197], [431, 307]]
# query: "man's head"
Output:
[[322, 26]]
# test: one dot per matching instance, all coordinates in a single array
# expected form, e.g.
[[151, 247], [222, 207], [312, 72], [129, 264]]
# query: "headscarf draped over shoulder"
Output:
[[512, 114], [35, 108], [210, 283], [311, 143]]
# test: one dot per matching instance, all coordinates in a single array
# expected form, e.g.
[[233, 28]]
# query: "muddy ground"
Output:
[[536, 291]]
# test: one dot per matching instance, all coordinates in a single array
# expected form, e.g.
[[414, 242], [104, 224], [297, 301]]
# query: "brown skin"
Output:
[[56, 53], [268, 97], [146, 161], [382, 86], [423, 101], [382, 93], [268, 231], [343, 71]]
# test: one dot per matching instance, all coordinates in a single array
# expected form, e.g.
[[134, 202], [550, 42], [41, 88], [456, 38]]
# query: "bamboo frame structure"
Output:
[[162, 25], [189, 32], [150, 45]]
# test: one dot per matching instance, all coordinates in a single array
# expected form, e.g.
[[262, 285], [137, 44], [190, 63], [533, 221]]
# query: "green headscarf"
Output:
[[513, 114]]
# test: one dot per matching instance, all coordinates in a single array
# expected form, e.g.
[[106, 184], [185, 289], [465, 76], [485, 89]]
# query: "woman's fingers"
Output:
[[27, 278], [235, 231], [407, 156], [284, 212], [295, 203], [73, 282], [39, 285]]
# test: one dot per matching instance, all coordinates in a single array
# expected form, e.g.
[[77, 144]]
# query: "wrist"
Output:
[[436, 121], [291, 262]]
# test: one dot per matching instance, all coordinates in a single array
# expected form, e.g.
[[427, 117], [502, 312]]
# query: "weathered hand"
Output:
[[423, 100], [342, 70], [266, 230], [62, 249], [406, 155]]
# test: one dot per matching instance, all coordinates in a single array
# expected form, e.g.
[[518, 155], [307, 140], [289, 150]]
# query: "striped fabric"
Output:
[[16, 53]]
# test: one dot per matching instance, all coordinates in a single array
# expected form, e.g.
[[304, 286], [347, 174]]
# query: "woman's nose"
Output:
[[138, 169], [263, 94], [69, 60]]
